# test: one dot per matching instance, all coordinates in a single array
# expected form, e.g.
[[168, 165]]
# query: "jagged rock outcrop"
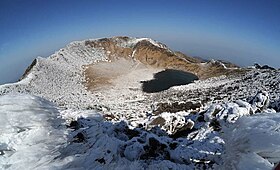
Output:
[[257, 66], [29, 68]]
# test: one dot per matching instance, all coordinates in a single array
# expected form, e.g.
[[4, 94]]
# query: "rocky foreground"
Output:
[[103, 119]]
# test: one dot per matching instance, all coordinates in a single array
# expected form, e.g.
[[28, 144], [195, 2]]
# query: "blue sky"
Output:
[[243, 32]]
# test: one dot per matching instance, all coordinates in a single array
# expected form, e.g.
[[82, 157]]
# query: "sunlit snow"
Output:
[[236, 124]]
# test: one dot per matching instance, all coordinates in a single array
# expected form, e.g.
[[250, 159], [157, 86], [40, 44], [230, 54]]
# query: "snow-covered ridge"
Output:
[[60, 76], [125, 118], [131, 42]]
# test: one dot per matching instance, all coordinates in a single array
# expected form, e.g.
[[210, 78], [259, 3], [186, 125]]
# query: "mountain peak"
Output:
[[147, 103]]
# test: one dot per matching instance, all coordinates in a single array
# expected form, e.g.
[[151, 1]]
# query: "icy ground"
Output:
[[34, 135], [31, 133], [218, 123]]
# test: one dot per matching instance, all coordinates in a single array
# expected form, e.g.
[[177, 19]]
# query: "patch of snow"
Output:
[[131, 42]]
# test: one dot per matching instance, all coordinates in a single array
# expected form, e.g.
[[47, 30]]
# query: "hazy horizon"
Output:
[[236, 31]]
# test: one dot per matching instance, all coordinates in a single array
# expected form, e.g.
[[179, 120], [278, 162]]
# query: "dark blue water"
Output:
[[165, 79]]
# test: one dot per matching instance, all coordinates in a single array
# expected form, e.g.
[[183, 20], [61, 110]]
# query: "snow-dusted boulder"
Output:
[[212, 112], [260, 101], [171, 122], [231, 112], [228, 112]]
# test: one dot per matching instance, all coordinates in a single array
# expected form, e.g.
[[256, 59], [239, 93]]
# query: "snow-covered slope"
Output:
[[214, 123], [59, 77]]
